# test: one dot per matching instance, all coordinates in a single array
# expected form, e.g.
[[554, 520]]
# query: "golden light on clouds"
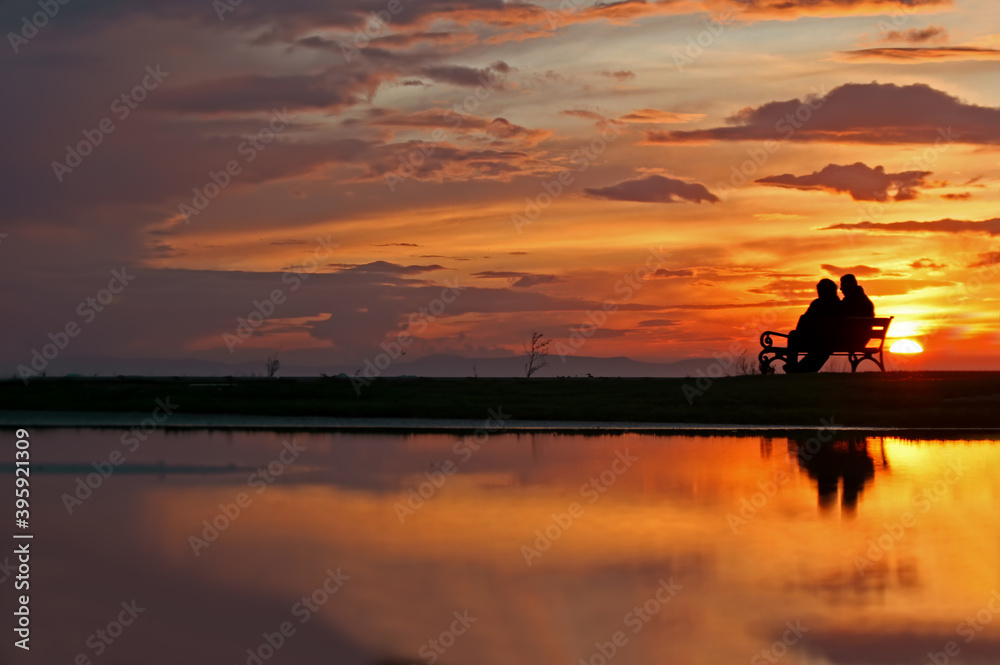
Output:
[[553, 147]]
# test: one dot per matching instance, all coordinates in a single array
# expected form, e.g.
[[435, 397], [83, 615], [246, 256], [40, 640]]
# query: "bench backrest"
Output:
[[876, 328]]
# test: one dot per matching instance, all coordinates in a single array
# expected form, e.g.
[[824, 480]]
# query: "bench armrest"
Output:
[[765, 338]]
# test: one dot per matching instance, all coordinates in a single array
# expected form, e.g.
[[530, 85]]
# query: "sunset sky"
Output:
[[697, 165]]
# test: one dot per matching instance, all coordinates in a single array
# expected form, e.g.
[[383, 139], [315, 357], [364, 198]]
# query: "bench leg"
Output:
[[857, 360], [766, 357], [765, 365]]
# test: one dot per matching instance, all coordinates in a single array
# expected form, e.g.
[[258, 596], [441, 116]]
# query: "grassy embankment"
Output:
[[896, 399]]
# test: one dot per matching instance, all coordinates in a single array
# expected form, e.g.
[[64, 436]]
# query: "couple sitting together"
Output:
[[825, 324]]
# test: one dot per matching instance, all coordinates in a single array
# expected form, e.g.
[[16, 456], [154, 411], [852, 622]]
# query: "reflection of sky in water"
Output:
[[797, 558]]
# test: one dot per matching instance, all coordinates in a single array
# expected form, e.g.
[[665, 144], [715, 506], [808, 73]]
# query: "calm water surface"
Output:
[[535, 549]]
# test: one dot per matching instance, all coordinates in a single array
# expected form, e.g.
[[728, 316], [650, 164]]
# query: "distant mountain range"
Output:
[[450, 365], [439, 365]]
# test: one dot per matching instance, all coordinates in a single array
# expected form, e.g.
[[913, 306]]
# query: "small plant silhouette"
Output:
[[537, 351], [272, 365]]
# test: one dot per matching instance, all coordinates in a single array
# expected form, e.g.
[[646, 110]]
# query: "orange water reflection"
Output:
[[876, 547]]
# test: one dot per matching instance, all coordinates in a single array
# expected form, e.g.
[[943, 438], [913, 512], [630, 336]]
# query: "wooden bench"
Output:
[[874, 329]]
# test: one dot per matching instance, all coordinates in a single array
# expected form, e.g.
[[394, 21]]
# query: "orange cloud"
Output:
[[621, 75], [926, 264], [862, 182], [656, 116], [933, 33], [859, 270], [904, 55], [988, 226]]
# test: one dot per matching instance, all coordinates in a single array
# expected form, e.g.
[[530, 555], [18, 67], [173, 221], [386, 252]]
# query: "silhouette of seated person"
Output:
[[817, 331], [855, 304]]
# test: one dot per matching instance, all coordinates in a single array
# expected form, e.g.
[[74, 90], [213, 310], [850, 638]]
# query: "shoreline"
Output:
[[228, 422]]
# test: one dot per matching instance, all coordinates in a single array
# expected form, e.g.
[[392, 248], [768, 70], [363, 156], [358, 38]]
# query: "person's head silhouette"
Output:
[[826, 288], [848, 283]]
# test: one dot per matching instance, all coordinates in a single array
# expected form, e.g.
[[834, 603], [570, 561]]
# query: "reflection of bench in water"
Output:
[[856, 342]]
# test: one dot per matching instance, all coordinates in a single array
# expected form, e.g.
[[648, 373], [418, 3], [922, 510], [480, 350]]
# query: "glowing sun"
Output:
[[905, 346]]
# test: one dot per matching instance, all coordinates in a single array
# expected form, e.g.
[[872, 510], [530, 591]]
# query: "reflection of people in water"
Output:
[[827, 463]]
